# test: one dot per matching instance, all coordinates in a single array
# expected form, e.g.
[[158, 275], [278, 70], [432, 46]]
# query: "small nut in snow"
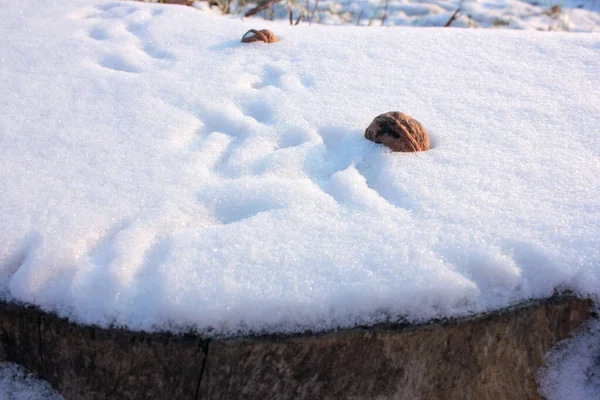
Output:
[[399, 132], [264, 35]]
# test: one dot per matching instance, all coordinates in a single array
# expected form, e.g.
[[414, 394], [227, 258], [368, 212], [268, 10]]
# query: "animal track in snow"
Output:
[[241, 122], [260, 110], [101, 250], [156, 52], [138, 27], [231, 212], [117, 62], [271, 77], [293, 137], [14, 261], [210, 149], [155, 255], [223, 167], [112, 11], [349, 187], [221, 136], [223, 121], [122, 27], [236, 200], [385, 189], [348, 168], [110, 6], [158, 12], [99, 33], [148, 45], [307, 81]]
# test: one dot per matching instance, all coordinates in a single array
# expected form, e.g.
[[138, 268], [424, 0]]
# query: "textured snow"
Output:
[[544, 15], [17, 384], [158, 174], [573, 370]]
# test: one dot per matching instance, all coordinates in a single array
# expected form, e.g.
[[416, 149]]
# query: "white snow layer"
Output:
[[158, 174], [17, 384], [573, 371], [545, 15]]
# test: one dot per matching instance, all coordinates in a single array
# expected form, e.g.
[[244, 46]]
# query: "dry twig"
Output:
[[455, 15], [452, 18], [313, 13], [261, 7], [385, 8]]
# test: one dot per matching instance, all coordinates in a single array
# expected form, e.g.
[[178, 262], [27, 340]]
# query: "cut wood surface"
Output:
[[491, 356]]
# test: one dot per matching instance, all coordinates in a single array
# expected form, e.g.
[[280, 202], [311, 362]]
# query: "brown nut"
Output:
[[399, 132], [264, 35]]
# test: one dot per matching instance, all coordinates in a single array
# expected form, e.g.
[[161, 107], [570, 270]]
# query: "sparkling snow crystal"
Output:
[[158, 174]]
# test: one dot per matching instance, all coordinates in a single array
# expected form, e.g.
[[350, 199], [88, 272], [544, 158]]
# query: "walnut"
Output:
[[399, 132], [264, 35]]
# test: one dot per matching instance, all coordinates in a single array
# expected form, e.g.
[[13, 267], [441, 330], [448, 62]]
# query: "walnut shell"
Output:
[[264, 35], [399, 132]]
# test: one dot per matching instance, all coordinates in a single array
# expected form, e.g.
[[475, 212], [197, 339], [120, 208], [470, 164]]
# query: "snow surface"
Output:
[[544, 15], [17, 384], [158, 174], [573, 370]]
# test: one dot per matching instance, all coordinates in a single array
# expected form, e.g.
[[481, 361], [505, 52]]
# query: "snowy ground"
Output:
[[544, 15], [573, 370], [18, 384], [157, 174]]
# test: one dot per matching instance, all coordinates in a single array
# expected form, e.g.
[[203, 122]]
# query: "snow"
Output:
[[544, 15], [17, 384], [573, 370], [157, 174]]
